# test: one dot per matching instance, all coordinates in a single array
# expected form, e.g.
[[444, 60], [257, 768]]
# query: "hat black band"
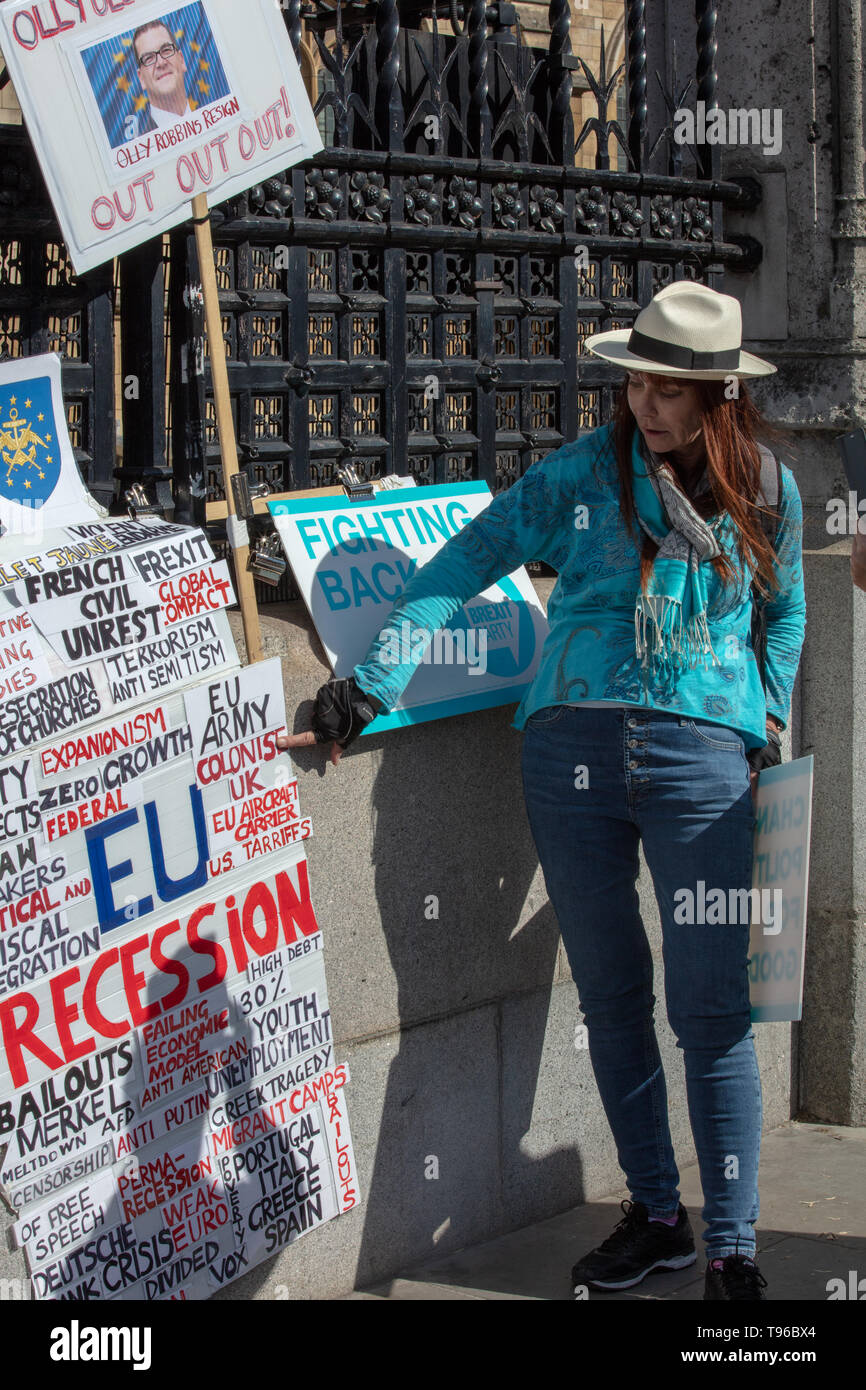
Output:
[[672, 355]]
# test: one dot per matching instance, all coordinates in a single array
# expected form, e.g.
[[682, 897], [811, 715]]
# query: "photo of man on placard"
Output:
[[162, 74], [157, 77]]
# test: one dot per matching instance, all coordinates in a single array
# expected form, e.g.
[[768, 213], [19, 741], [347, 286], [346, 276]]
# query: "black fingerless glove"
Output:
[[768, 756], [343, 711]]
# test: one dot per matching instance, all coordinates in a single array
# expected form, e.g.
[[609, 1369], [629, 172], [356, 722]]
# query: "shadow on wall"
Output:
[[454, 861]]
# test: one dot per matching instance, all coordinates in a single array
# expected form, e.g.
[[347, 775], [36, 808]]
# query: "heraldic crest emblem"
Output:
[[29, 448]]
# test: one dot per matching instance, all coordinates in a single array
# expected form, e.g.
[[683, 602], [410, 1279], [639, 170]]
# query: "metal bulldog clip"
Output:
[[267, 561]]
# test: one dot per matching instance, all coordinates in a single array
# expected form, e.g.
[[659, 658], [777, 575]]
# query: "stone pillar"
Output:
[[804, 309], [832, 726]]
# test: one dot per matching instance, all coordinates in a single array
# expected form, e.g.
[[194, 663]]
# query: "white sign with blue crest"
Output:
[[40, 485]]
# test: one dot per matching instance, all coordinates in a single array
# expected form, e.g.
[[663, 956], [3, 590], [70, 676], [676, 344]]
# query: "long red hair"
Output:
[[733, 463]]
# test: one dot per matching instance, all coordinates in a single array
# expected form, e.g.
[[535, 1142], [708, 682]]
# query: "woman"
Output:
[[638, 724]]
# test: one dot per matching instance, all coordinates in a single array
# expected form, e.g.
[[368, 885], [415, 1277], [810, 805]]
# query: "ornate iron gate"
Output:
[[415, 299], [44, 308]]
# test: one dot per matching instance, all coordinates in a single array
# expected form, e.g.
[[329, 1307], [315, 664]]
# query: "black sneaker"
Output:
[[739, 1280], [635, 1249]]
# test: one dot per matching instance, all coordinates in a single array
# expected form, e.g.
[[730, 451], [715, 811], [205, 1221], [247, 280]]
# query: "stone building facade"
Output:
[[460, 1032]]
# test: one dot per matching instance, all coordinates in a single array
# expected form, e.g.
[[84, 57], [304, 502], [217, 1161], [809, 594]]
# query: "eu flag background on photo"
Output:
[[29, 443], [113, 73]]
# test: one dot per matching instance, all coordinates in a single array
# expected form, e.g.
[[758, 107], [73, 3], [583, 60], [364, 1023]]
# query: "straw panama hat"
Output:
[[687, 330]]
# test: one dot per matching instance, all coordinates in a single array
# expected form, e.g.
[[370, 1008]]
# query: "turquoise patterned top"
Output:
[[589, 653]]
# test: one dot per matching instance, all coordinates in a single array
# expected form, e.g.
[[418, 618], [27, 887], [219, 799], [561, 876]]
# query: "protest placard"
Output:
[[164, 1016], [40, 485], [22, 659], [352, 560], [777, 947], [134, 109], [236, 710], [139, 114]]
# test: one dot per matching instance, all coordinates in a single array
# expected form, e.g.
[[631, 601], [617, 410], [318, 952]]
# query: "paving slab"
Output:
[[812, 1230]]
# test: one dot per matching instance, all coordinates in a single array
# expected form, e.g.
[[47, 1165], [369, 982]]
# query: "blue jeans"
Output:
[[682, 787]]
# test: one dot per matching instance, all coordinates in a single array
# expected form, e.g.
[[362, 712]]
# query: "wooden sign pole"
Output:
[[225, 423]]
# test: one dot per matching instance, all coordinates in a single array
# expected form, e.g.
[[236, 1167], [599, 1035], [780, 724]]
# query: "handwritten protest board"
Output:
[[171, 1110], [351, 560], [135, 108], [777, 947]]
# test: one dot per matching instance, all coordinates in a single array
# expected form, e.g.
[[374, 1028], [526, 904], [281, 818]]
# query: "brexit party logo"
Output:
[[517, 651], [29, 450], [508, 627]]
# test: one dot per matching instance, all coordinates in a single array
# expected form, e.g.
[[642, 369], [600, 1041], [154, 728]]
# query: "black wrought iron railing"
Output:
[[415, 299]]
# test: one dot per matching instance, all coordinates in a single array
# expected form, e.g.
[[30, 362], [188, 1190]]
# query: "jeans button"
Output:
[[632, 723], [632, 743]]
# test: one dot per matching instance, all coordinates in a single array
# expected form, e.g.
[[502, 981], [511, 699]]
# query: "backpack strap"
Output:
[[769, 493]]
